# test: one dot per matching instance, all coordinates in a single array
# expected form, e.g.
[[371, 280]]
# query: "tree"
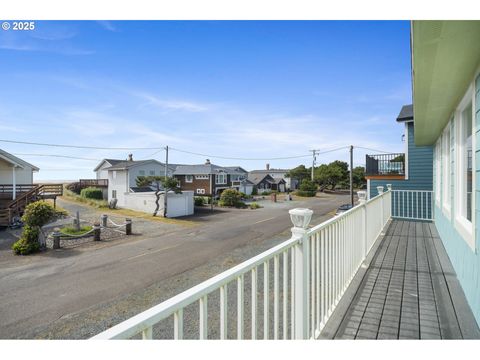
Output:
[[332, 174], [231, 197], [359, 177], [299, 173], [168, 184], [307, 188]]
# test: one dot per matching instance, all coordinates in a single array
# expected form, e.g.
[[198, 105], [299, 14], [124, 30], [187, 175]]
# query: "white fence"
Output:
[[412, 204], [286, 292]]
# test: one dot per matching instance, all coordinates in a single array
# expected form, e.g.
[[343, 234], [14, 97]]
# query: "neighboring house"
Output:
[[209, 179], [446, 94], [411, 170], [277, 174], [123, 174], [265, 182], [14, 170], [101, 169]]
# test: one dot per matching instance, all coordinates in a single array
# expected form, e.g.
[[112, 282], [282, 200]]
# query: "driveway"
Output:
[[75, 293]]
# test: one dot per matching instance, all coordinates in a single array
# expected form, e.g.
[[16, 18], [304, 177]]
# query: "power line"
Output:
[[365, 148], [80, 146], [238, 158], [58, 156]]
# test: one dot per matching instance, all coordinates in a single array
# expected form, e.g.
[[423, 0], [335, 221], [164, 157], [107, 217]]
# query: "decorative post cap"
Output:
[[380, 190], [300, 217], [389, 187], [362, 196]]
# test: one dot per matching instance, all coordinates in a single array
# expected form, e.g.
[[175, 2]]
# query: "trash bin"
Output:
[[274, 197]]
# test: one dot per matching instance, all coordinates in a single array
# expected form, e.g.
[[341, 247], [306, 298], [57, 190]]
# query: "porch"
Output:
[[369, 273], [409, 290]]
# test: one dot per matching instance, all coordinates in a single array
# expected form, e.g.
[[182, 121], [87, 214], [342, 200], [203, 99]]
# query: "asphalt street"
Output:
[[40, 293]]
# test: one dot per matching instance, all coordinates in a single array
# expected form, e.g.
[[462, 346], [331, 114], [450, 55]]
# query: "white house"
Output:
[[15, 171], [122, 175]]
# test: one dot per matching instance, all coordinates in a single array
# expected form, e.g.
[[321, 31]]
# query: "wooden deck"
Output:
[[408, 291]]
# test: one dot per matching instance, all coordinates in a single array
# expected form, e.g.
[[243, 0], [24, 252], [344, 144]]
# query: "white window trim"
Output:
[[188, 177], [200, 191], [462, 225], [446, 172], [438, 171], [224, 179]]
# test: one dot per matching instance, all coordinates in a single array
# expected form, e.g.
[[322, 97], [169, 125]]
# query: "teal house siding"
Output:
[[420, 169], [465, 260]]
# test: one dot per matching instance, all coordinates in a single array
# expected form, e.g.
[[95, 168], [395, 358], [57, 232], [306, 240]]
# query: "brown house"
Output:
[[209, 179]]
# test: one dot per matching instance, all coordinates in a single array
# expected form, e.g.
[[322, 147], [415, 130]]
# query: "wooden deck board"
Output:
[[409, 291]]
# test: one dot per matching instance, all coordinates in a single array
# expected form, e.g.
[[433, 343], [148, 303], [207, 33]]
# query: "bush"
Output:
[[38, 213], [35, 216], [199, 201], [92, 193], [231, 197], [255, 205], [305, 193], [254, 191], [266, 192]]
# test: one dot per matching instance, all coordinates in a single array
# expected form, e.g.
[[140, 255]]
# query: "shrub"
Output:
[[255, 191], [35, 216], [38, 213], [231, 197], [255, 205], [92, 193], [199, 201], [266, 192]]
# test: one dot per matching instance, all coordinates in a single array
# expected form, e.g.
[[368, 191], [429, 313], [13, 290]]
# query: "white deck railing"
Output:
[[286, 292], [412, 204]]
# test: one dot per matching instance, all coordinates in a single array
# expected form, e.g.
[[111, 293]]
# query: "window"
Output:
[[114, 194], [237, 177], [201, 177], [114, 174], [142, 172], [152, 172], [464, 161], [446, 166], [188, 178], [221, 179], [200, 191]]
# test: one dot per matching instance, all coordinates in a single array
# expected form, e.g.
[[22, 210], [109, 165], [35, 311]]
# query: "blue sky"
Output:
[[248, 89]]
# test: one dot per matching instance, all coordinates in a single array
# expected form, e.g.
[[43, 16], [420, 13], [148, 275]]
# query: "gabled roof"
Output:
[[258, 178], [406, 114], [110, 161], [237, 169], [126, 164], [206, 169], [12, 159], [265, 171]]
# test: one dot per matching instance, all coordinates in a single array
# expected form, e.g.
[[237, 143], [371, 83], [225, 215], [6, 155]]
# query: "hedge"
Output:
[[92, 193]]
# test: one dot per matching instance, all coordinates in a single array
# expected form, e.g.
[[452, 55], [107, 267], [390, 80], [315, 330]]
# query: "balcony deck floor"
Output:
[[408, 291]]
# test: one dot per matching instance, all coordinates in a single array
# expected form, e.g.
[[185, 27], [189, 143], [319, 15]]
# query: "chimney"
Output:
[[130, 157], [268, 166], [207, 162]]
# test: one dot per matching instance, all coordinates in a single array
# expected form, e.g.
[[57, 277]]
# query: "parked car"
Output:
[[343, 208]]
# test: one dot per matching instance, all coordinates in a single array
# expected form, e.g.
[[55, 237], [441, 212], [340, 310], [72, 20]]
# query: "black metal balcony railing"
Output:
[[385, 164]]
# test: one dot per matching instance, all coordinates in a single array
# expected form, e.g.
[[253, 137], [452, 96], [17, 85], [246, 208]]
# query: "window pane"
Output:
[[467, 122]]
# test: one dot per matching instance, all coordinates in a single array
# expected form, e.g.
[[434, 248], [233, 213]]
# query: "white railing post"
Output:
[[300, 219], [362, 199], [380, 193]]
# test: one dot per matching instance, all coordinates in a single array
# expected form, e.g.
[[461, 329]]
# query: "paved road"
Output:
[[39, 292]]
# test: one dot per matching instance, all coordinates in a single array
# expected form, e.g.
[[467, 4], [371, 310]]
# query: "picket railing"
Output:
[[287, 292], [412, 204]]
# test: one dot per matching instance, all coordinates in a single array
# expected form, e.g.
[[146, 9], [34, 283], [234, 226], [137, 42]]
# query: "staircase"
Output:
[[12, 208]]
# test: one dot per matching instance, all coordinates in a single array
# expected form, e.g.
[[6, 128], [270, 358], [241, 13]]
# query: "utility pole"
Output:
[[314, 159], [351, 174], [164, 186]]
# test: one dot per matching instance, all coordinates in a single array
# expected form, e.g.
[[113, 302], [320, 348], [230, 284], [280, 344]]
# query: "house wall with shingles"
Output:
[[420, 169], [195, 184], [465, 260]]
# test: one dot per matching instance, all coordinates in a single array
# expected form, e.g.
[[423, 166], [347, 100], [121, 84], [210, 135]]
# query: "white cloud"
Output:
[[171, 104]]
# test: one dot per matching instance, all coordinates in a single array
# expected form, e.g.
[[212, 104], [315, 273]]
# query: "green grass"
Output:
[[101, 204], [70, 230]]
